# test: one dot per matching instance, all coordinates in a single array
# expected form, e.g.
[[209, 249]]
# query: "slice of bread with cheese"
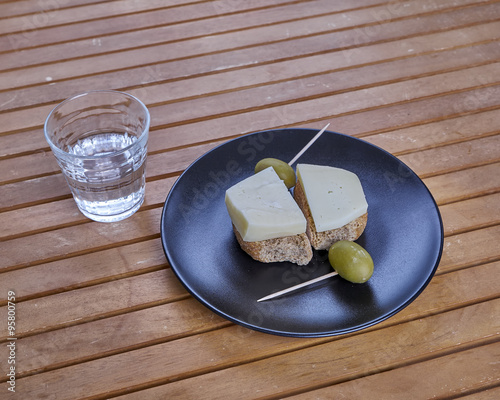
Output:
[[267, 222], [333, 202]]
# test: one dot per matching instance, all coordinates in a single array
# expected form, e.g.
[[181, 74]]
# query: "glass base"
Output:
[[113, 217]]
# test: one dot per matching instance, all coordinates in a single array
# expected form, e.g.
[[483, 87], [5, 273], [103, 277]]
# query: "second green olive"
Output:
[[284, 171], [351, 261]]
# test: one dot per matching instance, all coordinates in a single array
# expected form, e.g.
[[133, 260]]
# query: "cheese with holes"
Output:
[[335, 196], [261, 208]]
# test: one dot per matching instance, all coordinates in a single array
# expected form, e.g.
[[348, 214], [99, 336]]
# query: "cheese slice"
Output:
[[335, 196], [261, 208]]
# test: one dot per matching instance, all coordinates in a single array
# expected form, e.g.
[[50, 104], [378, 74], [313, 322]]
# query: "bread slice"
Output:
[[323, 240], [266, 220], [295, 249]]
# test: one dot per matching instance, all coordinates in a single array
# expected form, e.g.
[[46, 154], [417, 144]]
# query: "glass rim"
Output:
[[56, 149]]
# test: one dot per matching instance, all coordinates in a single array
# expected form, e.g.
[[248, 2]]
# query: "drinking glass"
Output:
[[99, 140]]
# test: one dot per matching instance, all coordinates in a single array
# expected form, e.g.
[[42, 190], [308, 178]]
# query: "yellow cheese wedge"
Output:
[[261, 208], [335, 195]]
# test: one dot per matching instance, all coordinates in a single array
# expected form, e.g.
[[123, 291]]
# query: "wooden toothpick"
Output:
[[308, 144], [300, 285], [303, 284]]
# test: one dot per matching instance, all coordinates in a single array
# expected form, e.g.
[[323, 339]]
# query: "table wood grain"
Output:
[[99, 314]]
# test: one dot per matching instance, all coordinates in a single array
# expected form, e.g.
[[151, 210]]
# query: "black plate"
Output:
[[404, 236]]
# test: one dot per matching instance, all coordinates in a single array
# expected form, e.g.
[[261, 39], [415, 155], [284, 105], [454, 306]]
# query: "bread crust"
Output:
[[323, 240], [295, 249]]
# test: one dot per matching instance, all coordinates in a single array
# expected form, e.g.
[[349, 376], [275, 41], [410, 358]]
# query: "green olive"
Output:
[[284, 171], [351, 261]]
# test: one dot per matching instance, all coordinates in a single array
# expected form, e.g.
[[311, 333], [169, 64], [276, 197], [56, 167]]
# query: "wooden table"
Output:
[[99, 313]]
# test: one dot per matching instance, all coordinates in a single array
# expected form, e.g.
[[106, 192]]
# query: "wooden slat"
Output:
[[56, 15], [54, 186], [174, 91], [232, 79], [146, 289], [77, 343], [205, 27], [112, 335], [218, 44], [118, 20], [377, 96], [306, 369], [23, 7], [402, 344], [465, 183], [437, 133], [29, 220], [182, 30], [97, 236], [488, 394], [472, 370], [206, 12], [461, 154], [86, 270], [469, 249], [477, 212], [292, 113]]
